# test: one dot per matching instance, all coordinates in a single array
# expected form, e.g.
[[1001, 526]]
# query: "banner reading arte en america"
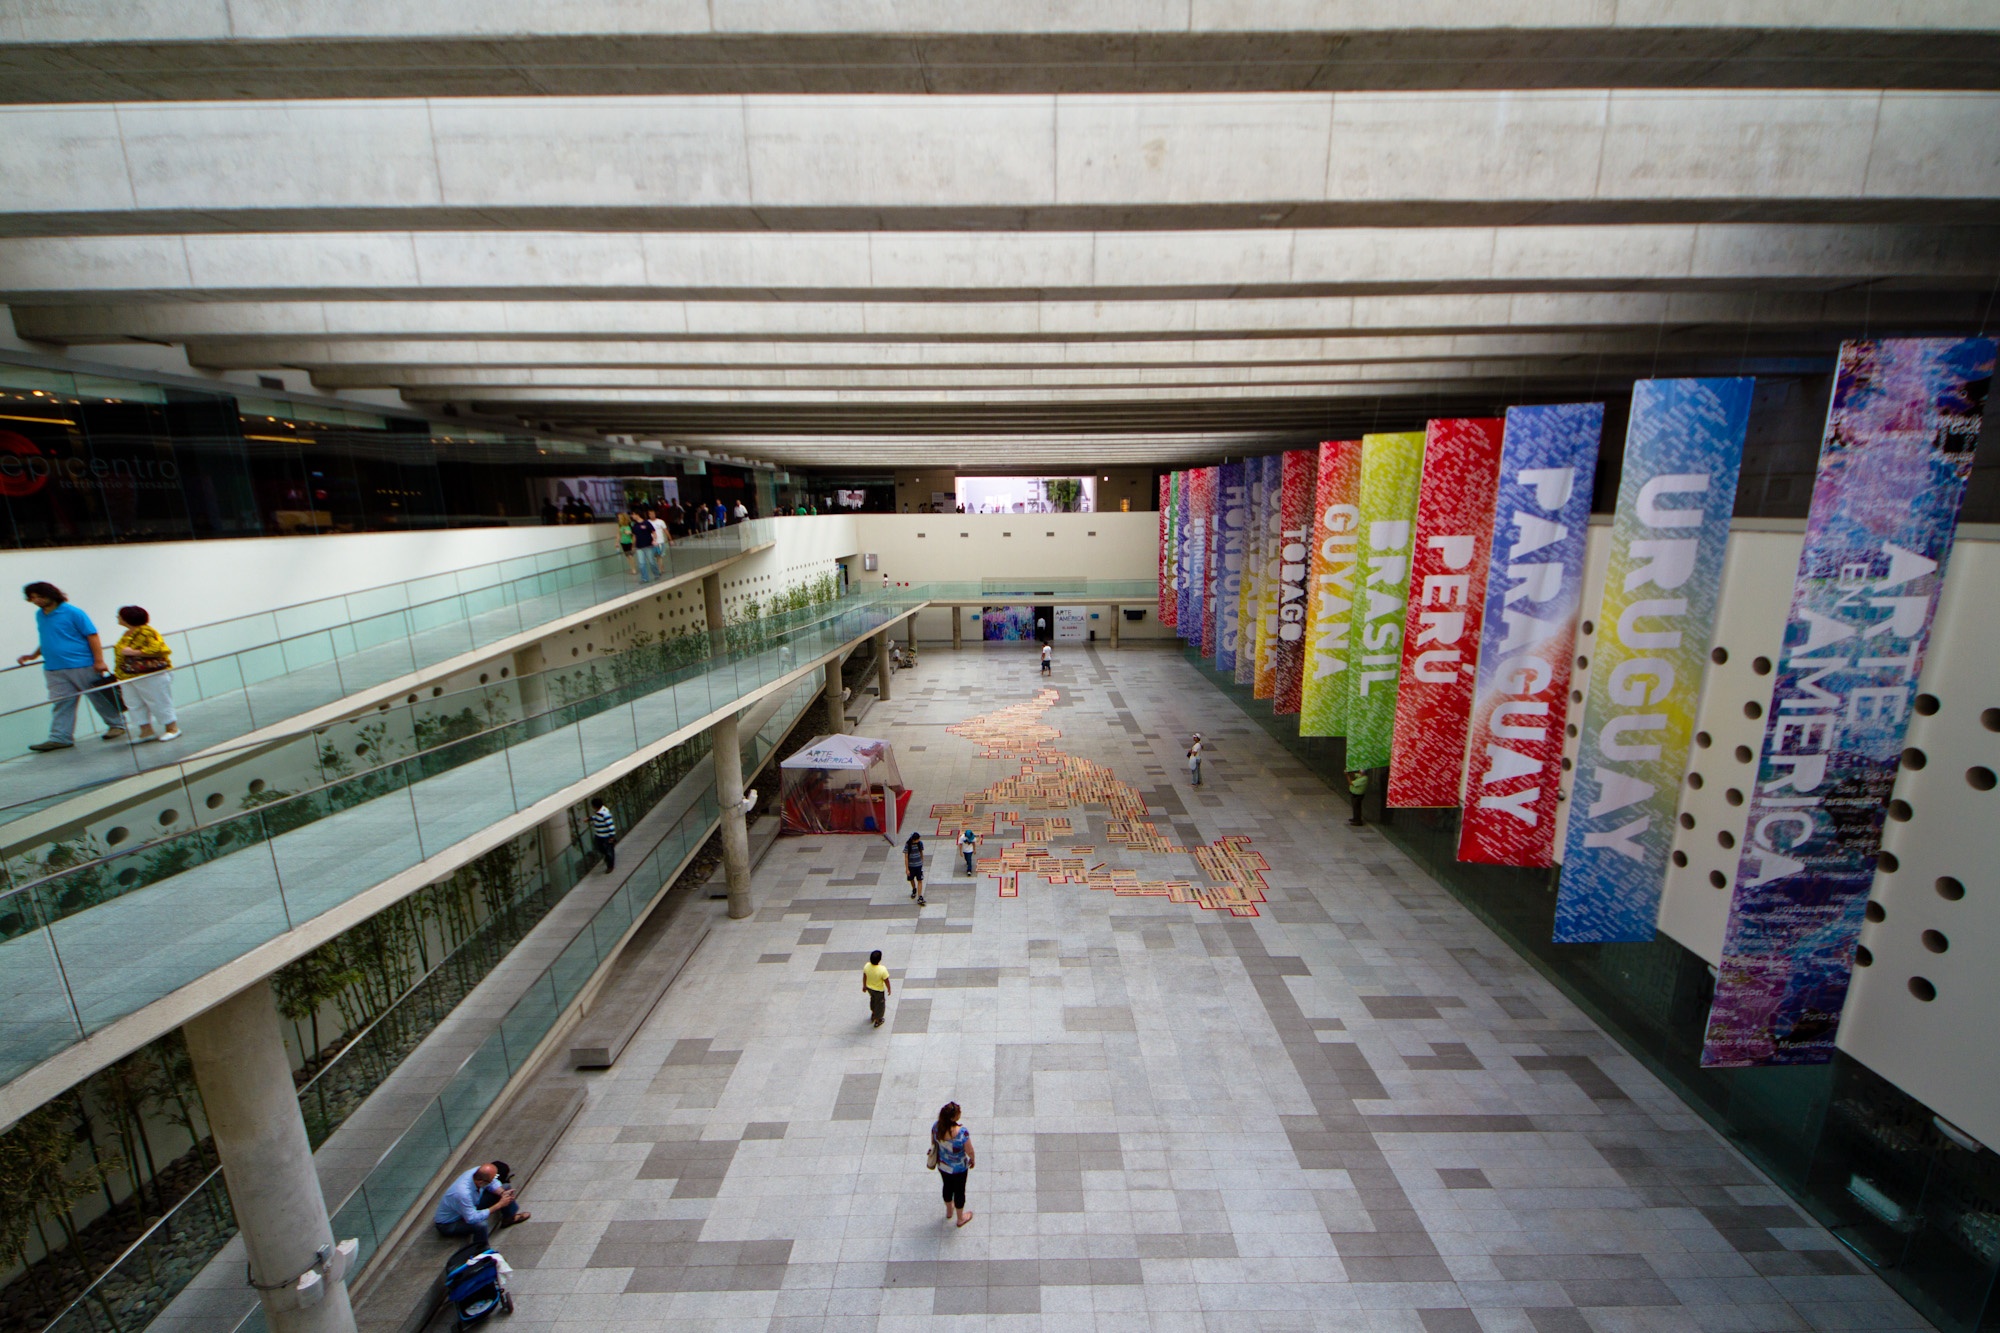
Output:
[[1336, 515], [1898, 450], [1448, 560], [1167, 608], [1295, 523], [1231, 514], [1390, 467], [1534, 580], [1683, 450]]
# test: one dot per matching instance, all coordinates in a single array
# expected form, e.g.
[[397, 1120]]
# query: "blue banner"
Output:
[[1683, 451], [1232, 514], [1183, 541], [1892, 471]]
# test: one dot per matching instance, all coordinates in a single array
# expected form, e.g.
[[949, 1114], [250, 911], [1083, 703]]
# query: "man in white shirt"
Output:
[[741, 511]]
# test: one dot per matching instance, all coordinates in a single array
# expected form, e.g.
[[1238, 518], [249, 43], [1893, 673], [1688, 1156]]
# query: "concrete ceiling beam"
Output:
[[1068, 162], [849, 266]]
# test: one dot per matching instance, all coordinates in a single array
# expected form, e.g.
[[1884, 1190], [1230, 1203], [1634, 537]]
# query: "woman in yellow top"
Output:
[[144, 666]]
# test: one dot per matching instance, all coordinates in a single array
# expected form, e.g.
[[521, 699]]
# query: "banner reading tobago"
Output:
[[1295, 524], [1683, 451], [1892, 471]]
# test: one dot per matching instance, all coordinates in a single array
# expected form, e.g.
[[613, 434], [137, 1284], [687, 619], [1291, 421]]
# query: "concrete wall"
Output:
[[927, 548], [197, 583]]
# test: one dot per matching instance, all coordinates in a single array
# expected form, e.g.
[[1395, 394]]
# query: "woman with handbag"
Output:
[[144, 665], [951, 1156]]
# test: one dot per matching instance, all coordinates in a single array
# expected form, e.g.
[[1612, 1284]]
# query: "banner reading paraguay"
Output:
[[1167, 608], [1893, 468], [1231, 515], [1534, 580], [1390, 467], [1683, 451], [1336, 515], [1265, 684], [1448, 557], [1183, 555], [1295, 524]]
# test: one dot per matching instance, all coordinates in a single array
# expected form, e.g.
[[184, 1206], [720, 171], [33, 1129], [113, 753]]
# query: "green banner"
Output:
[[1391, 467]]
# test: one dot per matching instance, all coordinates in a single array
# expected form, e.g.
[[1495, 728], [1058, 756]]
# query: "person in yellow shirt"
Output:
[[144, 665], [875, 985]]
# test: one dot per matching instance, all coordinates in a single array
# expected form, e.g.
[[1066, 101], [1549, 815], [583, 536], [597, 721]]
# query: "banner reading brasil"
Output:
[[1893, 467], [1390, 467], [1683, 450]]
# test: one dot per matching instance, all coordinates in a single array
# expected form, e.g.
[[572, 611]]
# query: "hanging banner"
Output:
[[1534, 580], [1231, 514], [1295, 501], [1448, 559], [1167, 610], [1265, 684], [1893, 468], [1183, 556], [1683, 451], [1390, 468], [1200, 508], [1336, 516], [1211, 570], [1245, 640]]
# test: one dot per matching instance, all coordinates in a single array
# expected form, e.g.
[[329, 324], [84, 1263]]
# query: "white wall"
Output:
[[957, 548], [198, 582]]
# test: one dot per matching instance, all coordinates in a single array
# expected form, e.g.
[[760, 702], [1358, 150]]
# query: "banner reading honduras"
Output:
[[1231, 514], [1534, 580], [1683, 450], [1272, 521], [1898, 449], [1167, 608], [1390, 468], [1336, 515], [1244, 660], [1448, 558], [1294, 567]]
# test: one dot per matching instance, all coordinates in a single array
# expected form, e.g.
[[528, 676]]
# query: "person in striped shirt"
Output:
[[604, 833]]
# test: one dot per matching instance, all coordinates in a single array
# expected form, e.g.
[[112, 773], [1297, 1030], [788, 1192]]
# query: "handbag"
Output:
[[109, 684], [930, 1158], [146, 666]]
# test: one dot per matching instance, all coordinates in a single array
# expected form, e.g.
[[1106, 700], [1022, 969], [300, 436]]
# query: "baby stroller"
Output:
[[475, 1281]]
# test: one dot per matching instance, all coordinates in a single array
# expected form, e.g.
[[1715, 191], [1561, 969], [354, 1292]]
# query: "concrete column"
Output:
[[528, 664], [727, 751], [882, 666], [1116, 616], [836, 710], [711, 604], [958, 627], [248, 1096]]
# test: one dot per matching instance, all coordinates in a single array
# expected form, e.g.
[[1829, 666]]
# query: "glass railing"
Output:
[[157, 1266], [235, 676], [87, 938]]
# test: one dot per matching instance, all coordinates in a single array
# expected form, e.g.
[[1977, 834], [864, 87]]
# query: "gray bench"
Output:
[[408, 1283]]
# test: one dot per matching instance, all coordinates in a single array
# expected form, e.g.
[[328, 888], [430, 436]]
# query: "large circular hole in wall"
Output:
[[214, 801], [1887, 862], [1949, 888], [1981, 777], [1718, 654], [1923, 989], [117, 835], [1863, 957], [1761, 665], [1733, 795], [1703, 739], [1875, 912], [1589, 627], [1935, 941], [168, 816], [1680, 859], [1717, 880], [1687, 821], [1913, 758], [1695, 781], [257, 786], [1926, 704], [1726, 839], [1753, 710], [1744, 754], [1900, 811]]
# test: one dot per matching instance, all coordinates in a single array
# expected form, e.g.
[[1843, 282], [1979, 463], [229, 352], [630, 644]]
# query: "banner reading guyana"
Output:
[[1336, 516]]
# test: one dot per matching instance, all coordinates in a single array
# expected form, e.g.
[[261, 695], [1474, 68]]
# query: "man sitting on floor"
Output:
[[474, 1204]]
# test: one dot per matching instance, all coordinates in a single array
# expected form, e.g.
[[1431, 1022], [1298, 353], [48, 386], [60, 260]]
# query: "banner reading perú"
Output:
[[1231, 514], [1295, 520], [1898, 449], [1676, 491], [1167, 608], [1448, 560], [1548, 460], [1390, 468], [1330, 603]]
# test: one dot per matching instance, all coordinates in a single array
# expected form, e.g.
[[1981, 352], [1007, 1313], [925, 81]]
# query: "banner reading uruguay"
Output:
[[1265, 682], [1390, 468], [1448, 559], [1898, 449], [1534, 580], [1241, 664], [1295, 501], [1330, 603], [1683, 450], [1231, 514], [1167, 608]]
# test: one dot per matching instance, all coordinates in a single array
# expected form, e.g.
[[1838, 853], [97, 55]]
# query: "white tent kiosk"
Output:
[[844, 784]]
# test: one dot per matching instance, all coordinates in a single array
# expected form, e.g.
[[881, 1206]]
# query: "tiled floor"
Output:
[[1312, 1095]]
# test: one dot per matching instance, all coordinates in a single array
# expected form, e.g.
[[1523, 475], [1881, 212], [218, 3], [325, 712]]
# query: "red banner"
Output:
[[1167, 606], [1207, 489], [1447, 603], [1295, 531]]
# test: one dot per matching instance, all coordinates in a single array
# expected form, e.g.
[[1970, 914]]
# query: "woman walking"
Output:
[[144, 665], [952, 1155], [625, 522]]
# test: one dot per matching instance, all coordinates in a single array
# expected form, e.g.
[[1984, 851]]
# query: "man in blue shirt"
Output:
[[72, 657], [474, 1205]]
